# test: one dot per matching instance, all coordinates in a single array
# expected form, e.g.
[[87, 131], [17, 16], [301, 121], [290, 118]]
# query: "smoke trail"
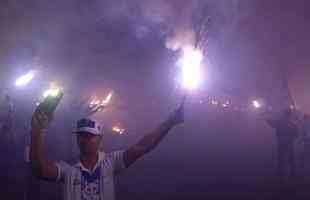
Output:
[[182, 38], [194, 16], [181, 18], [175, 14], [183, 30]]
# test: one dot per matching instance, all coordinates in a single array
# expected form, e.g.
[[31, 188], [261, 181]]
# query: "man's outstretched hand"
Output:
[[151, 140]]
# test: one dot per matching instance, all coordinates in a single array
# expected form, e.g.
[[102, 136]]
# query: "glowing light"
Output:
[[94, 102], [226, 104], [256, 104], [190, 64], [118, 130], [54, 92], [107, 99], [25, 79], [214, 102]]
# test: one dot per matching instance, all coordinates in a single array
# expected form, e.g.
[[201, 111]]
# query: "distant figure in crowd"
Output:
[[306, 138], [6, 120], [286, 133], [92, 177]]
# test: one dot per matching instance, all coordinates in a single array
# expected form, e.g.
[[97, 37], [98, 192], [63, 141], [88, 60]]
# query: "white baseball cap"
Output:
[[87, 125]]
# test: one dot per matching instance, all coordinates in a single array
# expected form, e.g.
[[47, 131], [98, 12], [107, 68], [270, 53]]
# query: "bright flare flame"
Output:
[[25, 79], [191, 67], [54, 92], [107, 99], [256, 104], [118, 130]]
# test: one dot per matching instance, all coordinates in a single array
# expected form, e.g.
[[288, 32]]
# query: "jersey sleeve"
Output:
[[117, 159], [63, 169]]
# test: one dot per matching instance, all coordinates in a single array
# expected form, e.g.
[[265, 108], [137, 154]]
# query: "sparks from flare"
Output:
[[118, 130], [96, 102], [107, 99], [190, 64]]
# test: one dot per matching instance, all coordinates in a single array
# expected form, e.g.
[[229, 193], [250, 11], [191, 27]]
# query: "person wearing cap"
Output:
[[93, 176]]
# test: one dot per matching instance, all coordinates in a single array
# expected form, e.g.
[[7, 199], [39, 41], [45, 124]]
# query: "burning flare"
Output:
[[25, 79], [256, 104], [118, 130], [107, 99], [190, 64]]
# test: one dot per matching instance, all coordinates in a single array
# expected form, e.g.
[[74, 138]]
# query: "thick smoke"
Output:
[[177, 15], [185, 18], [182, 37], [183, 31]]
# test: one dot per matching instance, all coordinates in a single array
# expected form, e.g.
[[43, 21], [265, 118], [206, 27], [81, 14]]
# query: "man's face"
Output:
[[88, 143]]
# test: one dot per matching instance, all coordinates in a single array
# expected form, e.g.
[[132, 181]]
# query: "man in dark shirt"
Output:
[[286, 133]]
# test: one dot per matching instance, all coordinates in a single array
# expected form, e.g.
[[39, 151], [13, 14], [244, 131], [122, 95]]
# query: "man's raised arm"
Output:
[[150, 141], [40, 166]]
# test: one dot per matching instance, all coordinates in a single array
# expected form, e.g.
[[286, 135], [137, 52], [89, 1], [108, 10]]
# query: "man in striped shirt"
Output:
[[92, 177]]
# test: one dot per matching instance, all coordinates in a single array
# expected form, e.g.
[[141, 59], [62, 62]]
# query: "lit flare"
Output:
[[190, 63], [25, 79]]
